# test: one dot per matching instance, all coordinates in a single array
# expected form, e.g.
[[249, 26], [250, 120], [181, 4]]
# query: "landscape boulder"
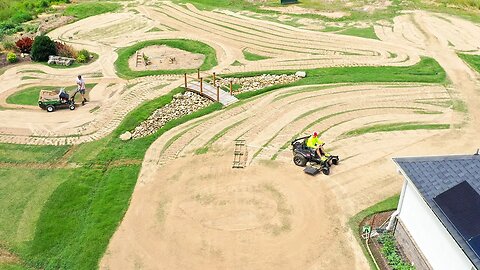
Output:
[[126, 136], [301, 74]]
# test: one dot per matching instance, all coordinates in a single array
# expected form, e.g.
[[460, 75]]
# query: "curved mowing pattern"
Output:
[[288, 47], [270, 123], [251, 205]]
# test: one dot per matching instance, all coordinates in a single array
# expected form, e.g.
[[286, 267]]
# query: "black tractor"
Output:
[[303, 155]]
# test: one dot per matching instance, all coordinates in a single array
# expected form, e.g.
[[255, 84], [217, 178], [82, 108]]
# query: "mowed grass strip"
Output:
[[368, 32], [471, 59], [124, 54], [88, 9], [12, 153], [394, 127], [253, 57], [29, 96], [426, 71]]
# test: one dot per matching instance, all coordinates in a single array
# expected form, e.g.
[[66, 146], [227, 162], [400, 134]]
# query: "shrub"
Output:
[[42, 48], [84, 53], [65, 50], [24, 44], [81, 58], [9, 46], [12, 57]]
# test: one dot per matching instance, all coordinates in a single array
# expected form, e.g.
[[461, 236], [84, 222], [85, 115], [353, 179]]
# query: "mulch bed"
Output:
[[376, 221], [4, 62]]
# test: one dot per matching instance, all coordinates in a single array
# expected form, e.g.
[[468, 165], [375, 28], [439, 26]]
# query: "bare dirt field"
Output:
[[192, 211], [165, 58]]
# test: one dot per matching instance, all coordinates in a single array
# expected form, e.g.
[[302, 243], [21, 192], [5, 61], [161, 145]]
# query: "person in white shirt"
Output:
[[81, 87]]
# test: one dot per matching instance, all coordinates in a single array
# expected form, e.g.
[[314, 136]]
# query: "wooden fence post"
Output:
[[231, 87], [218, 93], [185, 80], [214, 79], [201, 86], [198, 73]]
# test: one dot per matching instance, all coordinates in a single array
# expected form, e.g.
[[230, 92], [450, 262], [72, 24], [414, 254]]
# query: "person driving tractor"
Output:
[[315, 143]]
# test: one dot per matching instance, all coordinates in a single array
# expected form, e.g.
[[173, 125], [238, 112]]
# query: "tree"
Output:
[[42, 48]]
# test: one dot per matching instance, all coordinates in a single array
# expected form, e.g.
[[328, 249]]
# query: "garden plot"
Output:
[[164, 58]]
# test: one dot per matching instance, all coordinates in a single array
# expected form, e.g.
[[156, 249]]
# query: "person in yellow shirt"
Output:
[[315, 143]]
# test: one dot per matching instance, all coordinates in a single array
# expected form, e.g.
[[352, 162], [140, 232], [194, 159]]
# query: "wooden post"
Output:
[[231, 87], [214, 79], [201, 86], [185, 80], [198, 73], [218, 93]]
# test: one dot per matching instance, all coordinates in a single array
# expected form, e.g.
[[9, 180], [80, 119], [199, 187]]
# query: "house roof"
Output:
[[435, 175]]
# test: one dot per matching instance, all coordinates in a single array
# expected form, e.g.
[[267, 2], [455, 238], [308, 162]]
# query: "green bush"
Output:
[[12, 57], [42, 48], [84, 53], [81, 58]]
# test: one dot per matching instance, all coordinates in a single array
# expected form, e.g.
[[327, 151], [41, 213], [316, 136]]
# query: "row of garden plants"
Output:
[[391, 253], [40, 48]]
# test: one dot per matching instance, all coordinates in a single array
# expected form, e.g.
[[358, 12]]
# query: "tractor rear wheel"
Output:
[[300, 160]]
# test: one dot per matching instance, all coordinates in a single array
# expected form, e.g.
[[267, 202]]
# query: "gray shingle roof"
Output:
[[435, 175]]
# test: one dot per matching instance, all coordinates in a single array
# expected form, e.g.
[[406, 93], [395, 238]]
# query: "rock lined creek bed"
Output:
[[257, 82], [181, 105]]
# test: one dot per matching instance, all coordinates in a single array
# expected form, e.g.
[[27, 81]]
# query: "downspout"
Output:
[[394, 215]]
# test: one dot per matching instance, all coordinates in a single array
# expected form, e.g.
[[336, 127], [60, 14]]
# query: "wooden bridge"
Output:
[[214, 93]]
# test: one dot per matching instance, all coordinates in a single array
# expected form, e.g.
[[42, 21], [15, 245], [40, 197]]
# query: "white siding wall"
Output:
[[431, 237]]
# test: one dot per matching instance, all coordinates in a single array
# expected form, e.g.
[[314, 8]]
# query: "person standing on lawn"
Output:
[[81, 87]]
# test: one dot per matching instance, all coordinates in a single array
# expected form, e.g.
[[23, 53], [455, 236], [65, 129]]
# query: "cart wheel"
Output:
[[326, 170], [72, 107], [50, 108]]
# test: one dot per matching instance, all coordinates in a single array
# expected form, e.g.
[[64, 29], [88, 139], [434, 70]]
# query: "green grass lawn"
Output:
[[426, 71], [29, 96], [123, 69], [87, 9], [472, 60], [253, 57], [31, 153], [368, 32], [354, 222]]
